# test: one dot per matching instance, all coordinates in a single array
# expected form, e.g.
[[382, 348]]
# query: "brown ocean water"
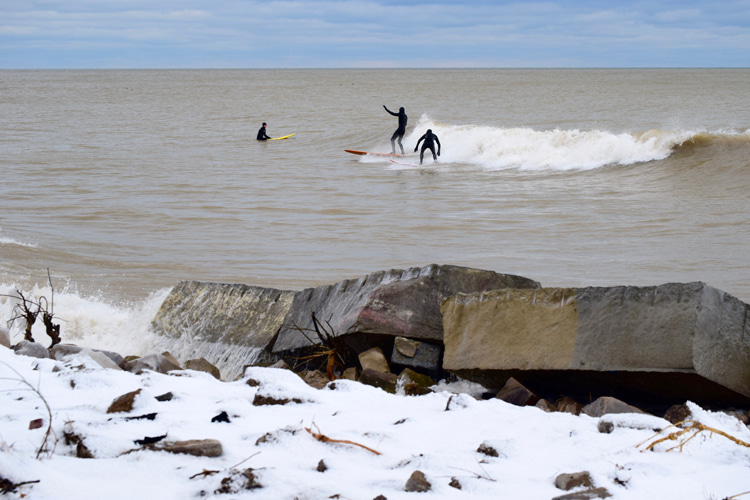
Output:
[[124, 183]]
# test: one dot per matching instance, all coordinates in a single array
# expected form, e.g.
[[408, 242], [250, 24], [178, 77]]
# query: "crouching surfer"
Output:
[[429, 143]]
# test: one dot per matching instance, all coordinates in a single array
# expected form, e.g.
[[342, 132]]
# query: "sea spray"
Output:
[[495, 148]]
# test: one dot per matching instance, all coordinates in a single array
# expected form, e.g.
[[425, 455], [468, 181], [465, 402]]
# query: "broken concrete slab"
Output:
[[671, 343]]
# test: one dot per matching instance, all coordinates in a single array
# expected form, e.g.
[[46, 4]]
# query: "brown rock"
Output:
[[385, 381], [606, 405], [405, 347], [568, 405], [315, 378], [569, 481], [678, 413], [585, 494], [261, 400], [417, 482], [203, 365], [515, 393], [195, 447], [373, 359], [124, 403]]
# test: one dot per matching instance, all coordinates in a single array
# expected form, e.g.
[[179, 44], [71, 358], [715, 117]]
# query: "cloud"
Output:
[[367, 33]]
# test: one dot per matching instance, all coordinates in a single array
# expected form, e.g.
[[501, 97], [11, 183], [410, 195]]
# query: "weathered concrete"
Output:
[[392, 303], [675, 341]]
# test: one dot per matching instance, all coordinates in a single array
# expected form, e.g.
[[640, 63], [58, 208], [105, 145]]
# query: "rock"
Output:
[[606, 405], [387, 303], [455, 483], [4, 337], [195, 447], [515, 393], [31, 349], [569, 481], [678, 413], [171, 359], [222, 417], [123, 403], [405, 347], [155, 362], [545, 406], [385, 381], [653, 346], [322, 467], [605, 426], [417, 482], [351, 373], [374, 359], [228, 320], [488, 450], [262, 400], [568, 405], [203, 365], [415, 384], [62, 351], [315, 378], [585, 494], [426, 356], [167, 396]]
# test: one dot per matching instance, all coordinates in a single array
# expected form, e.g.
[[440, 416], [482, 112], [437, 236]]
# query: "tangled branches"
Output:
[[28, 311], [687, 431], [329, 348]]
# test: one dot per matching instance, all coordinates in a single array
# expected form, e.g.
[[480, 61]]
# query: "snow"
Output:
[[437, 434]]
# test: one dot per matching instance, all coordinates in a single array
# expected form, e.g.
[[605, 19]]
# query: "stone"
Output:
[[315, 378], [514, 392], [155, 362], [585, 494], [62, 351], [385, 381], [419, 384], [568, 405], [322, 467], [455, 483], [678, 413], [124, 403], [203, 365], [653, 346], [195, 447], [605, 426], [545, 406], [351, 373], [426, 357], [569, 481], [405, 347], [31, 349], [263, 400], [387, 303], [417, 482], [488, 450], [374, 359], [231, 321], [606, 405], [4, 337]]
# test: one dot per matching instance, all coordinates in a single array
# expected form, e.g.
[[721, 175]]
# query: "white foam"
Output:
[[494, 148]]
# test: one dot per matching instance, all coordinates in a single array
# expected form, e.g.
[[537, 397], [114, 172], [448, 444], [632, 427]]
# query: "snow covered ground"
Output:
[[389, 437]]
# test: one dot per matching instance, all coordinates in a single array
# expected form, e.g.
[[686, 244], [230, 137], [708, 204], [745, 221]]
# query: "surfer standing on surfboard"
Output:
[[400, 131], [262, 133], [429, 143]]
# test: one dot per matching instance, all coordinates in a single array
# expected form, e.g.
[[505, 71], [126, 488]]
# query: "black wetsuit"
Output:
[[429, 143], [400, 131], [262, 134]]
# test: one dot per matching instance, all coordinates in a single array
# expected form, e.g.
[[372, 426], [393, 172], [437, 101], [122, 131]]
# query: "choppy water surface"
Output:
[[123, 183]]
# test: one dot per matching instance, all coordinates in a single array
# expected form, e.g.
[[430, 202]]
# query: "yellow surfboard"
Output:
[[279, 138]]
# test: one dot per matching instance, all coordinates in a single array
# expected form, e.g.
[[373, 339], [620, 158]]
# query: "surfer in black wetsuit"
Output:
[[400, 131], [262, 133], [429, 143]]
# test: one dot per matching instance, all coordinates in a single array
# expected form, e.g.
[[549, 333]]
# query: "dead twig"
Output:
[[325, 439], [329, 347], [44, 446], [688, 429]]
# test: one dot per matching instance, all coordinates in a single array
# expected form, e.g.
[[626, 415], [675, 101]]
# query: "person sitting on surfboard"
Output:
[[262, 133], [429, 143], [400, 131]]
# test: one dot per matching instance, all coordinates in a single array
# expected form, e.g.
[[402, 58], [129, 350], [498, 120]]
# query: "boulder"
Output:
[[607, 405], [62, 351], [515, 393], [156, 362], [387, 303], [374, 359], [219, 321], [653, 346], [203, 365], [31, 349]]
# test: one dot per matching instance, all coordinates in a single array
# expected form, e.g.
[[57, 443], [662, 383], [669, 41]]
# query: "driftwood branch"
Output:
[[325, 439], [687, 431]]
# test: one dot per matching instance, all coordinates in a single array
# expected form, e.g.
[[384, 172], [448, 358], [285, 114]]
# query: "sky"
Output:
[[42, 34]]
